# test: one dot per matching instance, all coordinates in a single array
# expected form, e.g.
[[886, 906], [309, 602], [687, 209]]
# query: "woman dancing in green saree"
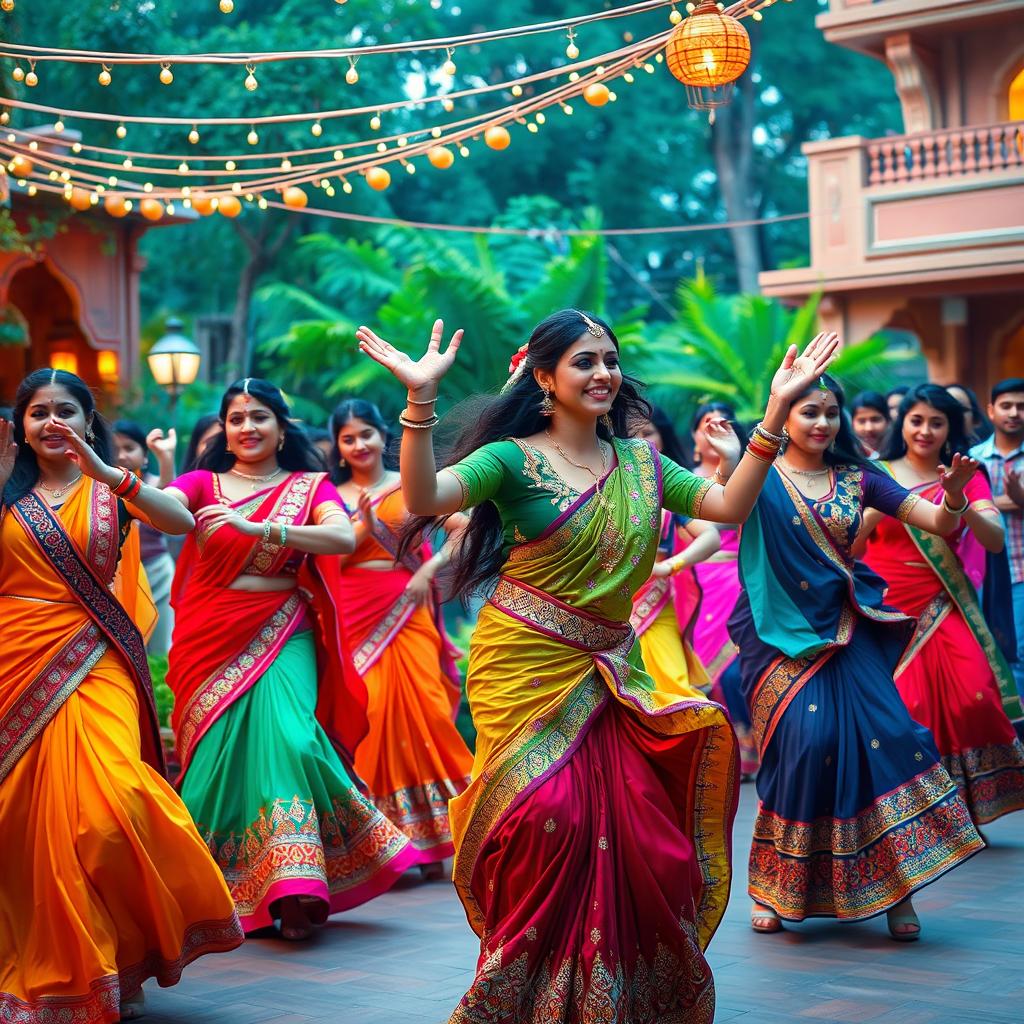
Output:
[[593, 843]]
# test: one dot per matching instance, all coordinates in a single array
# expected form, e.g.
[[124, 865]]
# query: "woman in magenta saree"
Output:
[[856, 810], [265, 701], [593, 843], [953, 677]]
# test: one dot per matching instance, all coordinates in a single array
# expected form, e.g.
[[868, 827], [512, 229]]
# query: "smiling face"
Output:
[[1007, 414], [813, 422], [869, 425], [586, 379], [48, 405], [361, 446], [251, 430], [925, 431]]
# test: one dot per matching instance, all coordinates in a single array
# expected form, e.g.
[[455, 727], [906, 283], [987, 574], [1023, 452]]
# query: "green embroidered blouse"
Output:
[[530, 495]]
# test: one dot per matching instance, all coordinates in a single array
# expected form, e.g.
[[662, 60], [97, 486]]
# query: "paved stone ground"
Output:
[[409, 955]]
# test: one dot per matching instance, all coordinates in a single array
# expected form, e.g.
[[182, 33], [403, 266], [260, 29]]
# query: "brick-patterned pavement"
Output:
[[408, 957]]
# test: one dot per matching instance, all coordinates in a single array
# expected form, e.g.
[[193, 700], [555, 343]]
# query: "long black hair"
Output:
[[671, 445], [846, 449], [26, 469], [516, 412], [203, 424], [939, 399], [295, 455], [356, 409]]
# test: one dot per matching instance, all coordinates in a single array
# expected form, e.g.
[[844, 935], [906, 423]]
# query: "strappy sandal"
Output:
[[905, 919], [134, 1008], [764, 920]]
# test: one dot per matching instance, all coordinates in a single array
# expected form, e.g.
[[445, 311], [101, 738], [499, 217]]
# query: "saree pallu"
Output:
[[104, 881], [663, 616], [719, 582], [856, 811], [593, 845], [413, 759], [953, 677], [266, 712]]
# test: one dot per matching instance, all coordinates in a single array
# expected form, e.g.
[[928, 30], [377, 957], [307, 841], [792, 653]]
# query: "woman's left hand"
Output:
[[955, 478], [661, 570], [82, 455], [209, 517], [798, 372], [723, 439], [418, 588]]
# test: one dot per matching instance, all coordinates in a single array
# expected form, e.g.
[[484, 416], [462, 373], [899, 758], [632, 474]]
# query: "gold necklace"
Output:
[[811, 474], [253, 479], [59, 492], [604, 461]]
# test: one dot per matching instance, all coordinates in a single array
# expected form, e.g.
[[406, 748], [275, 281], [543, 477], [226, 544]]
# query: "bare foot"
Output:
[[295, 926]]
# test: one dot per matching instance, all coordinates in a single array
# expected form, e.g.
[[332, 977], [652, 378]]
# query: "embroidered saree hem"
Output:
[[856, 868], [101, 1004], [990, 779], [421, 812]]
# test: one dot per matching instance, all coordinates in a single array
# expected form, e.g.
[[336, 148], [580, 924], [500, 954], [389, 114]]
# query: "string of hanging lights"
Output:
[[707, 51]]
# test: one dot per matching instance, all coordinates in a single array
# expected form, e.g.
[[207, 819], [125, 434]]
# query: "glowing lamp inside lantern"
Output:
[[108, 366], [66, 361]]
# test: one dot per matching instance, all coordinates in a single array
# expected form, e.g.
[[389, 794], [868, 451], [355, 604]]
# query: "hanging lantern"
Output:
[[378, 178], [707, 53], [497, 137], [116, 206], [80, 199], [597, 94], [294, 197], [151, 209], [441, 157], [230, 206]]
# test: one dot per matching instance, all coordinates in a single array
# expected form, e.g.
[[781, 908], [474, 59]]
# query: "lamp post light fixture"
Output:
[[174, 361]]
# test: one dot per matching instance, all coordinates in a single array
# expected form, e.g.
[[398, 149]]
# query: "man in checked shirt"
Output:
[[1003, 455]]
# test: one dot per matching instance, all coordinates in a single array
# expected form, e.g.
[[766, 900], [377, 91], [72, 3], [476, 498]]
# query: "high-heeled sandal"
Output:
[[906, 918], [764, 920]]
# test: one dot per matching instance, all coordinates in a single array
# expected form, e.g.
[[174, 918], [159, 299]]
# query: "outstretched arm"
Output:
[[425, 491], [734, 502]]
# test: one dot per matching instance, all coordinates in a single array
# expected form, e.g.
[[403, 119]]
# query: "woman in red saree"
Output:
[[593, 844], [412, 758], [104, 881], [265, 702], [953, 677]]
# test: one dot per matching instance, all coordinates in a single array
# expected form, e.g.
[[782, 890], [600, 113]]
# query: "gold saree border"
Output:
[[990, 779], [42, 698], [365, 656]]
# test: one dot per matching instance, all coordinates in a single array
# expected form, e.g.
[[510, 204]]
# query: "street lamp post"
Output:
[[174, 361]]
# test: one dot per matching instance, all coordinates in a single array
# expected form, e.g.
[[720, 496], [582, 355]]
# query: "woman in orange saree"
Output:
[[593, 844], [953, 677], [267, 709], [104, 881], [412, 759]]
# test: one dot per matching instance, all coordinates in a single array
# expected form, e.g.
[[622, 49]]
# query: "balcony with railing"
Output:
[[901, 15], [911, 207]]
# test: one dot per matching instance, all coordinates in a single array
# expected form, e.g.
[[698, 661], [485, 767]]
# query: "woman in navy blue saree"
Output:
[[856, 811]]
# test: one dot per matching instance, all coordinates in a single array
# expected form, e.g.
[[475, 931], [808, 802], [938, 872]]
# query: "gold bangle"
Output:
[[719, 479], [413, 401]]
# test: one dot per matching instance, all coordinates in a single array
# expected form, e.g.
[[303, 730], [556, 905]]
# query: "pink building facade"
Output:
[[925, 231]]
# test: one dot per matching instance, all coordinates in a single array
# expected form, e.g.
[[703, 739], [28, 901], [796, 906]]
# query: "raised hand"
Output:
[[723, 439], [162, 447], [954, 479], [365, 507], [81, 453], [798, 372], [417, 375], [8, 452]]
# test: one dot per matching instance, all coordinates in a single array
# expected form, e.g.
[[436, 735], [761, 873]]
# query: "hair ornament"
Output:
[[516, 367], [593, 327], [822, 386]]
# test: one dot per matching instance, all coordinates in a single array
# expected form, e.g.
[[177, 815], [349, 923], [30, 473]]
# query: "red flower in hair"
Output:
[[518, 358]]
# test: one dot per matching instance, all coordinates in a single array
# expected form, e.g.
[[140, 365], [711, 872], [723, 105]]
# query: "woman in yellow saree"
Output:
[[593, 843], [104, 881]]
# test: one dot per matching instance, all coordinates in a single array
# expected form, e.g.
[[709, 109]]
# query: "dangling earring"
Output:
[[341, 462], [608, 425], [547, 405], [89, 435], [280, 444]]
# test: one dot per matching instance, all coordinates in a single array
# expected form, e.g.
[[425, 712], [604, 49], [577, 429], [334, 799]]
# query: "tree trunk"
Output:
[[733, 146]]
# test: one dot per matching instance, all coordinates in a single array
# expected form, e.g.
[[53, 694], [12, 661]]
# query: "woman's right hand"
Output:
[[8, 452], [418, 376]]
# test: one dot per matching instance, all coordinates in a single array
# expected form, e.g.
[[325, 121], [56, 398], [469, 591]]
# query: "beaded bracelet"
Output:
[[266, 531], [284, 534], [426, 424], [413, 401]]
